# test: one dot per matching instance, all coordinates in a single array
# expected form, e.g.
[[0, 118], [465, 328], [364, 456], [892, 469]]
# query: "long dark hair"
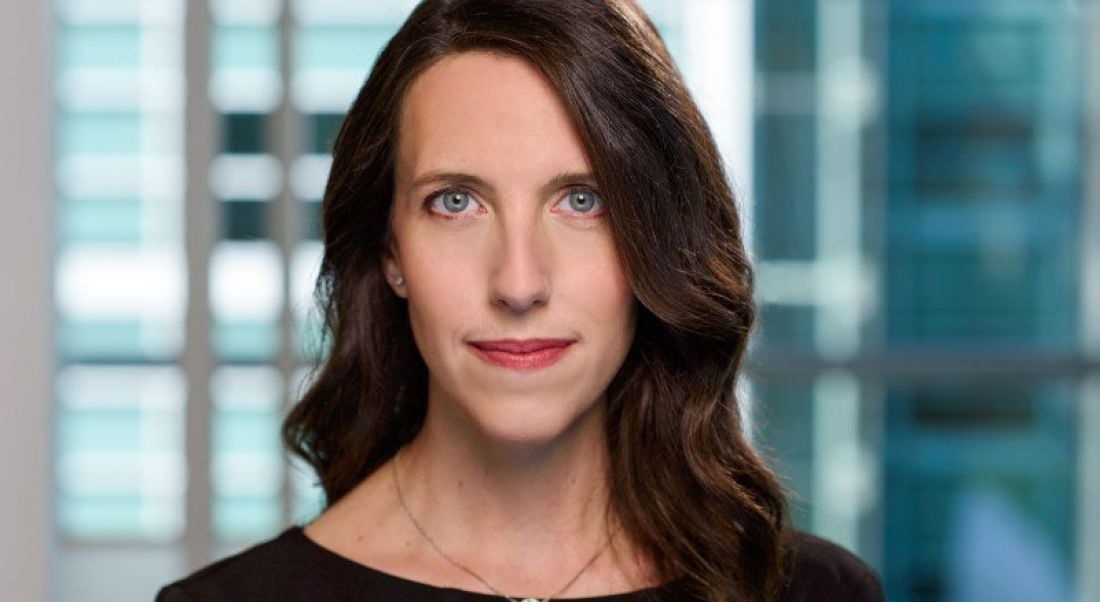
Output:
[[684, 481]]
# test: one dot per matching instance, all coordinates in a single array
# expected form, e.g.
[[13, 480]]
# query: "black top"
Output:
[[293, 568]]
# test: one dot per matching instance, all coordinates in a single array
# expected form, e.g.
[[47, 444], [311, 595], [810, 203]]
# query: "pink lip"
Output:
[[529, 354]]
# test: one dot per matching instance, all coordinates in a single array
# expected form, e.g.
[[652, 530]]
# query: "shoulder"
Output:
[[821, 570], [268, 571]]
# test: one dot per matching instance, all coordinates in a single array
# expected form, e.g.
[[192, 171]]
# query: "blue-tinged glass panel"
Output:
[[247, 519], [121, 517], [784, 210], [308, 497], [99, 133], [106, 430], [783, 426], [252, 430], [336, 47], [245, 133], [246, 341], [100, 221], [116, 340], [245, 219], [786, 326], [980, 482], [246, 48], [247, 468], [787, 35], [99, 47], [322, 128], [984, 185], [120, 471]]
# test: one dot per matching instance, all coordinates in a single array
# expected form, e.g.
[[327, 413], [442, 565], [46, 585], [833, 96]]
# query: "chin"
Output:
[[529, 422]]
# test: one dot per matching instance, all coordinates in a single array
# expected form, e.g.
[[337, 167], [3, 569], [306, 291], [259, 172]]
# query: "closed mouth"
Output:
[[522, 355], [521, 345]]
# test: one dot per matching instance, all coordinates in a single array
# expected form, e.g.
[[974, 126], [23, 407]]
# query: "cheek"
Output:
[[440, 289], [445, 294], [601, 287]]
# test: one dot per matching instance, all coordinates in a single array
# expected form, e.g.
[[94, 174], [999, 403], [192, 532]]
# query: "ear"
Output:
[[391, 269]]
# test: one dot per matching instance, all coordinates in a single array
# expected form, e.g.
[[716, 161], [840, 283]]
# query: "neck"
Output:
[[534, 496], [526, 517]]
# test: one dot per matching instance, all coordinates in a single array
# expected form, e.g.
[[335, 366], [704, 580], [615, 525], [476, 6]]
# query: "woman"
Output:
[[538, 303]]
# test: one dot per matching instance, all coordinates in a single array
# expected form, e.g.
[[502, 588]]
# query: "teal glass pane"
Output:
[[100, 339], [99, 134], [323, 128], [976, 162], [333, 47], [786, 326], [99, 47], [246, 519], [120, 472], [106, 221], [244, 133], [968, 48], [959, 294], [101, 430], [244, 219], [247, 470], [783, 426], [116, 340], [120, 517], [308, 338], [785, 210], [244, 431], [245, 48], [980, 479], [311, 220], [308, 504], [246, 341], [786, 41], [984, 161], [308, 497]]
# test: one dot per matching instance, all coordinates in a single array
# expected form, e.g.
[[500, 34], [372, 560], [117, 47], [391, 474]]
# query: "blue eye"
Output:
[[583, 201], [451, 201]]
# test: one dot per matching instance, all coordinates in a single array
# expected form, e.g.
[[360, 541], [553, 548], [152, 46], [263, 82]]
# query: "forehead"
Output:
[[487, 114]]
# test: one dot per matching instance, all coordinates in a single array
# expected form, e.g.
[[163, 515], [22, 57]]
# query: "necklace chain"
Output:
[[431, 542]]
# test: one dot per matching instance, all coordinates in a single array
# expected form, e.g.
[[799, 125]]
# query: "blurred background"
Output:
[[920, 183]]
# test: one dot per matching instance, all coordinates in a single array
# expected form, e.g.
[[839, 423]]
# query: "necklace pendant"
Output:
[[530, 600]]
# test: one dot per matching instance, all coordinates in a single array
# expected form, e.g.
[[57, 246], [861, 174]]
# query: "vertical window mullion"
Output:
[[201, 224]]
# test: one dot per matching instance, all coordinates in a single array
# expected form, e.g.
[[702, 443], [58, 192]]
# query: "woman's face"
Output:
[[517, 299]]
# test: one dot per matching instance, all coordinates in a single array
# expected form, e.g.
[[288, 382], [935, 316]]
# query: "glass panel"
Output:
[[980, 482], [246, 298], [787, 35], [786, 326], [307, 315], [120, 470], [244, 133], [785, 211], [323, 128], [335, 47], [119, 302], [245, 219], [245, 48], [86, 46], [783, 421], [980, 211], [247, 468]]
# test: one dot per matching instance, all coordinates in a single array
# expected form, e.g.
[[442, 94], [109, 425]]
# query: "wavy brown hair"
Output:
[[684, 481]]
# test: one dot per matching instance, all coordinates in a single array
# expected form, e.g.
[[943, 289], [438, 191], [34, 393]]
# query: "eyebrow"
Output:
[[555, 183]]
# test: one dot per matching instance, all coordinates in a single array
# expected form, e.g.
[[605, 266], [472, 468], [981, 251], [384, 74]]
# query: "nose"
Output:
[[520, 279]]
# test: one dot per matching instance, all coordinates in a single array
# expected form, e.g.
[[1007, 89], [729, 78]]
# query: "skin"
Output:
[[516, 254]]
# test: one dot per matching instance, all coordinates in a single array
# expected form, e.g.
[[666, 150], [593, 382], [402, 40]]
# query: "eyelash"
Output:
[[428, 200]]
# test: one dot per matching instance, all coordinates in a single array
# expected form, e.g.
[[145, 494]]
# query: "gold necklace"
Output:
[[431, 542]]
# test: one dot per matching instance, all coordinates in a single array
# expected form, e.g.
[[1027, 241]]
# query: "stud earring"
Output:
[[400, 280]]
